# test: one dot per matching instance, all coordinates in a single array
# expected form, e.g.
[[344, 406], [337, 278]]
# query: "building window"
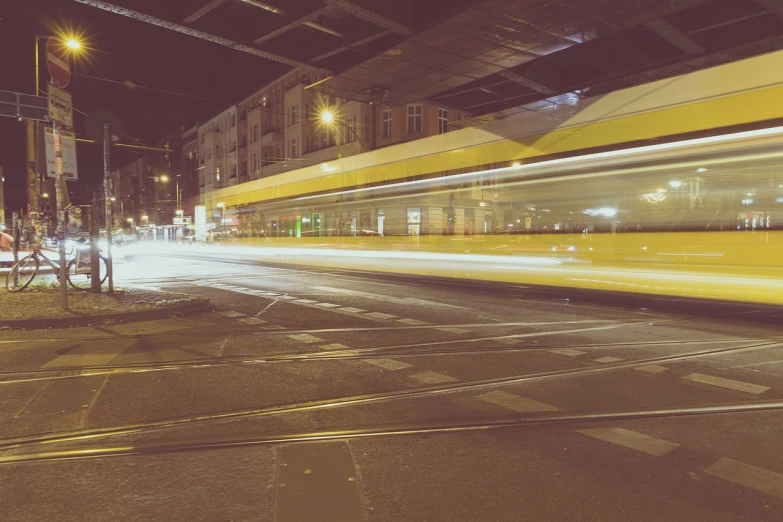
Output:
[[349, 132], [209, 153], [233, 145], [233, 120], [293, 148], [414, 119], [387, 122], [367, 127], [255, 133], [243, 116], [244, 168], [443, 121], [333, 137], [217, 174], [263, 101], [255, 163], [217, 151], [244, 140], [190, 155], [307, 111], [323, 140]]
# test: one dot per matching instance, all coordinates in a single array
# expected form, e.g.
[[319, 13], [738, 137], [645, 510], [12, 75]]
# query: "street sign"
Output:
[[60, 106], [68, 151], [57, 62]]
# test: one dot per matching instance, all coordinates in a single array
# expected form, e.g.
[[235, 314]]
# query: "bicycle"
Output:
[[78, 271]]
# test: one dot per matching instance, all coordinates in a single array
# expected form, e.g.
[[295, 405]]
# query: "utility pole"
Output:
[[59, 186], [107, 201]]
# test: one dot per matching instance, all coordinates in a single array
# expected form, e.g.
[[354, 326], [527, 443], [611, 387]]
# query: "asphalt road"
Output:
[[329, 395]]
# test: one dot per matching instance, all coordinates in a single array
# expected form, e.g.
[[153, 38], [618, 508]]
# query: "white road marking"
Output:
[[514, 402], [651, 368], [388, 364], [352, 309], [412, 321], [232, 313], [287, 297], [609, 359], [760, 479], [379, 315], [306, 338], [333, 346], [305, 301], [632, 439], [251, 320], [453, 330], [387, 298], [327, 305], [432, 377], [507, 340], [94, 352], [567, 352], [726, 383]]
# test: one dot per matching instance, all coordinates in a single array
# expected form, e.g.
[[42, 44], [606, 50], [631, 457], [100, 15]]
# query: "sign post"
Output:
[[60, 111], [104, 127]]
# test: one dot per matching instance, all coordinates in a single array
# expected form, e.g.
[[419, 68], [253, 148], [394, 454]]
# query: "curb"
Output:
[[163, 312]]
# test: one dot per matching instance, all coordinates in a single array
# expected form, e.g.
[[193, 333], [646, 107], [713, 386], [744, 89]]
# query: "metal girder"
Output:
[[675, 37], [296, 23], [204, 10], [530, 84], [199, 34], [350, 46], [374, 18], [773, 6]]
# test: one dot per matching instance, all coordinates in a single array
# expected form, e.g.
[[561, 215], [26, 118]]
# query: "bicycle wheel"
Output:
[[22, 273], [80, 277]]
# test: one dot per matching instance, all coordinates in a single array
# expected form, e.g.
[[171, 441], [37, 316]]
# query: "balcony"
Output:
[[272, 137]]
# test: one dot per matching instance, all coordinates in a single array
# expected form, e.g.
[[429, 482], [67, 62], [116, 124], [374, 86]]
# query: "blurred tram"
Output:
[[673, 188]]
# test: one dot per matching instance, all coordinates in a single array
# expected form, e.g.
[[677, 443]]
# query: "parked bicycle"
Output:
[[78, 268]]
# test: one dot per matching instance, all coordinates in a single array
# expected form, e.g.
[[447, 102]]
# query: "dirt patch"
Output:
[[43, 301]]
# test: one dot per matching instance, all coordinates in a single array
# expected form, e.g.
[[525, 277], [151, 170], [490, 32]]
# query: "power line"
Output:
[[132, 85]]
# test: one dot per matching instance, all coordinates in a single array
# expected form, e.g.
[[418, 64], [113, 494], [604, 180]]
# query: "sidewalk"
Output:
[[39, 307]]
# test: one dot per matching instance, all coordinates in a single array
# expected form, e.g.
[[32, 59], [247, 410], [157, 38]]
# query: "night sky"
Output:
[[122, 50]]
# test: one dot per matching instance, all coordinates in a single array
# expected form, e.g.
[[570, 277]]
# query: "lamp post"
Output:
[[327, 118]]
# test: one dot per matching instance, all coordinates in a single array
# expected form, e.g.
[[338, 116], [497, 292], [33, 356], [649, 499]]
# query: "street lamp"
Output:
[[327, 117], [73, 44]]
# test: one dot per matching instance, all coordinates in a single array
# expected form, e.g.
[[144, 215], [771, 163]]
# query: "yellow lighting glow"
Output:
[[73, 44], [327, 117]]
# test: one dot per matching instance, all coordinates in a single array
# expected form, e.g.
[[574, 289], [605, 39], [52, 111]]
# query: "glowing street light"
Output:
[[113, 198], [180, 212], [45, 195], [675, 184], [327, 117], [73, 44], [164, 178]]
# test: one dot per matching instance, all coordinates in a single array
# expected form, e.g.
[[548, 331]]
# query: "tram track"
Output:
[[141, 448], [71, 372], [89, 434]]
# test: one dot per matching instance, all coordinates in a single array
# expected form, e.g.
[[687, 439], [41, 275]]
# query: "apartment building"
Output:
[[217, 151], [144, 192], [280, 128]]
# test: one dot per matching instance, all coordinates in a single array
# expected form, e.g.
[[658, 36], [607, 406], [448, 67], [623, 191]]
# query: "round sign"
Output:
[[57, 62]]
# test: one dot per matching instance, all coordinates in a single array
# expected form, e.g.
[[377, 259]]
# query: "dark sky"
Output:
[[122, 50]]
